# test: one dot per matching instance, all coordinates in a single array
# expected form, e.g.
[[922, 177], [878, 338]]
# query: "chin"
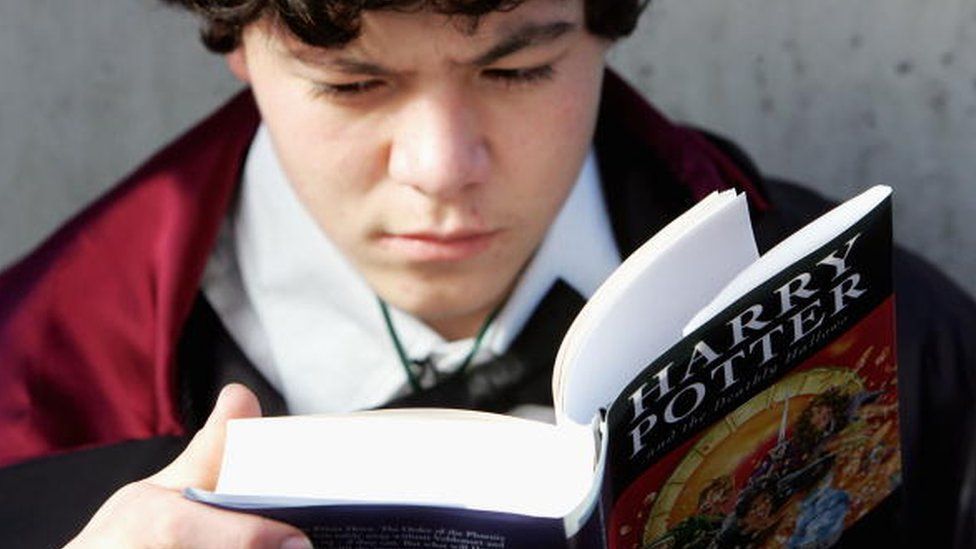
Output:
[[439, 305], [453, 310]]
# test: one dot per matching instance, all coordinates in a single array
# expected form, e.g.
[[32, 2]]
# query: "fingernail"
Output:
[[221, 396], [225, 390], [297, 542]]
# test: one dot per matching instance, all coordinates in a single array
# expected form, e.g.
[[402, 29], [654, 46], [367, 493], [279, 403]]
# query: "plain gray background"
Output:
[[839, 94]]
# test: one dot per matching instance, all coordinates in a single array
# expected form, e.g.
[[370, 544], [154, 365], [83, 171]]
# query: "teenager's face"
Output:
[[434, 157], [820, 417]]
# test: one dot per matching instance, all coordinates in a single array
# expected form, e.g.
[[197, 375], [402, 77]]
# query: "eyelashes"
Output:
[[520, 76], [352, 89], [505, 77]]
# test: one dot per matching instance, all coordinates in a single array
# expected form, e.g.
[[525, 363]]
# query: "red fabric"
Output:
[[691, 158], [90, 320]]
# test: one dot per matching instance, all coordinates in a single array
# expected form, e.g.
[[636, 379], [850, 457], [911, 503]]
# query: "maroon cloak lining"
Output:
[[90, 320]]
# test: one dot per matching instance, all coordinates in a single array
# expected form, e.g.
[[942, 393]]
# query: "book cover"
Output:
[[775, 424]]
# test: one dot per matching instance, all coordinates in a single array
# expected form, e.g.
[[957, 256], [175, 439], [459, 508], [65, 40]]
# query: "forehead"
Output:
[[424, 35]]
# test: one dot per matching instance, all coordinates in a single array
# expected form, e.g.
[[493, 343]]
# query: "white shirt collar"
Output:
[[310, 323]]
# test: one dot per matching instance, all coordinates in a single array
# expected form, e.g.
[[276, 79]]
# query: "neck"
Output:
[[462, 326]]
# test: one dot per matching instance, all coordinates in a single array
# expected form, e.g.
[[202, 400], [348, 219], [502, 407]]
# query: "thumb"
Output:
[[199, 464]]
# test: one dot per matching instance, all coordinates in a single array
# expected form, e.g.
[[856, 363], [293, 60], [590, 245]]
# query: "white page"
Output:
[[798, 245], [453, 459], [640, 310], [625, 276]]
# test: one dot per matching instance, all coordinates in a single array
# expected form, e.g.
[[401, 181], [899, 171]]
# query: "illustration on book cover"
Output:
[[791, 467]]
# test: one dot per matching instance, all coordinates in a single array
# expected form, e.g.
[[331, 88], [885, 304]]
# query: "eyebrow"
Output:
[[531, 34], [525, 36]]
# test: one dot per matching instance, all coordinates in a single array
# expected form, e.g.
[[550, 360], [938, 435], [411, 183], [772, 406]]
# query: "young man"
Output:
[[407, 208]]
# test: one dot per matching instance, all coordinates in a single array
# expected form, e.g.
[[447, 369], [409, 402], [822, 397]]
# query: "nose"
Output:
[[439, 146]]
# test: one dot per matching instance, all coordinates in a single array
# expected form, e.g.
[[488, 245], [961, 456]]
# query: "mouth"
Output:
[[437, 247]]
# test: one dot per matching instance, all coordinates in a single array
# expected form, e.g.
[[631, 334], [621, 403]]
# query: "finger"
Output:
[[142, 512], [199, 464], [213, 527]]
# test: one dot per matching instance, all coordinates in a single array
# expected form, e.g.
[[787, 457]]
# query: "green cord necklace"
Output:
[[406, 362]]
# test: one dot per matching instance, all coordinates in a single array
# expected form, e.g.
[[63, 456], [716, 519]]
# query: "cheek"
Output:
[[332, 166], [562, 115], [546, 143], [558, 124], [314, 145], [322, 149]]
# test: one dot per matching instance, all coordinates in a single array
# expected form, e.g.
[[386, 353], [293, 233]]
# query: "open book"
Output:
[[704, 396]]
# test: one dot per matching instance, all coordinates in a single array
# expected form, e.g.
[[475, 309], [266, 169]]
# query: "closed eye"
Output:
[[348, 89], [520, 76]]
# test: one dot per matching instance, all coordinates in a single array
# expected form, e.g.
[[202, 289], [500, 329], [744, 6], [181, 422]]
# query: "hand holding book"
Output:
[[154, 510]]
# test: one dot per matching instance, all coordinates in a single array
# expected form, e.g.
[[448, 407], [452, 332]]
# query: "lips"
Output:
[[434, 246]]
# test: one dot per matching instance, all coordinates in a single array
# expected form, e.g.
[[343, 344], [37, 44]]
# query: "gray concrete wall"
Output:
[[839, 94], [835, 93], [88, 90]]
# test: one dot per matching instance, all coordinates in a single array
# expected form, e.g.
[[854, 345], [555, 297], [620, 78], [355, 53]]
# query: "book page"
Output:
[[639, 311], [797, 245], [446, 458]]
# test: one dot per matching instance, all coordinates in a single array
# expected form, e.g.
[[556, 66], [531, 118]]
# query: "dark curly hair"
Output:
[[333, 23], [837, 401]]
